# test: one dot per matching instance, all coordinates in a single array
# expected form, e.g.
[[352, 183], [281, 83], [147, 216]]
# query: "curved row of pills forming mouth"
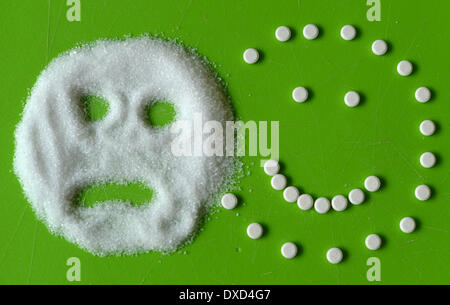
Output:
[[372, 183]]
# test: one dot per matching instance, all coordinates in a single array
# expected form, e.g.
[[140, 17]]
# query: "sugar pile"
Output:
[[58, 152]]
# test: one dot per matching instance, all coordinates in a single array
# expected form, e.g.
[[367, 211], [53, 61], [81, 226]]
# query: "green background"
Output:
[[326, 148]]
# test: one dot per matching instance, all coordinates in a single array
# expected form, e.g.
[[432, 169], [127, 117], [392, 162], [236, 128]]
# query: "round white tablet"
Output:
[[427, 159], [271, 167], [404, 68], [310, 31], [291, 194], [348, 32], [407, 224], [251, 56], [339, 203], [423, 94], [356, 196], [289, 250], [305, 202], [283, 33], [278, 182], [422, 192], [372, 183], [351, 99], [254, 230], [300, 94], [373, 242], [322, 205], [335, 255], [379, 47], [229, 201], [427, 127]]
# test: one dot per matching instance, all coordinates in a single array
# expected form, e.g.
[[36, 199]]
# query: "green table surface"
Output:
[[326, 148]]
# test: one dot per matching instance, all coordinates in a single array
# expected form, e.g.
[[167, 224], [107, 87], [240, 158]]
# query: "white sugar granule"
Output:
[[58, 152]]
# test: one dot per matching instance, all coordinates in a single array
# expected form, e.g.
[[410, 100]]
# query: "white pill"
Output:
[[283, 33], [427, 127], [254, 230], [372, 183], [335, 255], [305, 202], [427, 159], [348, 32], [278, 182], [289, 250], [310, 31], [404, 68], [351, 99], [271, 167], [379, 47], [251, 56], [422, 192], [339, 203], [373, 242], [356, 196], [300, 94], [229, 201], [423, 94], [291, 194], [407, 224], [322, 205]]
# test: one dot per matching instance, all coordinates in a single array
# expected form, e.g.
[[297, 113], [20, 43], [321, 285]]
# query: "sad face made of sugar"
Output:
[[58, 152]]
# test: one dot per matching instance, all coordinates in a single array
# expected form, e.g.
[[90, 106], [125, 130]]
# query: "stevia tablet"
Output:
[[278, 182], [310, 31], [229, 201], [348, 32], [322, 205], [291, 194], [251, 56], [356, 196]]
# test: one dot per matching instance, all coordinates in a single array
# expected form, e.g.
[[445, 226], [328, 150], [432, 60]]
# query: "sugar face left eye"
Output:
[[95, 108]]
